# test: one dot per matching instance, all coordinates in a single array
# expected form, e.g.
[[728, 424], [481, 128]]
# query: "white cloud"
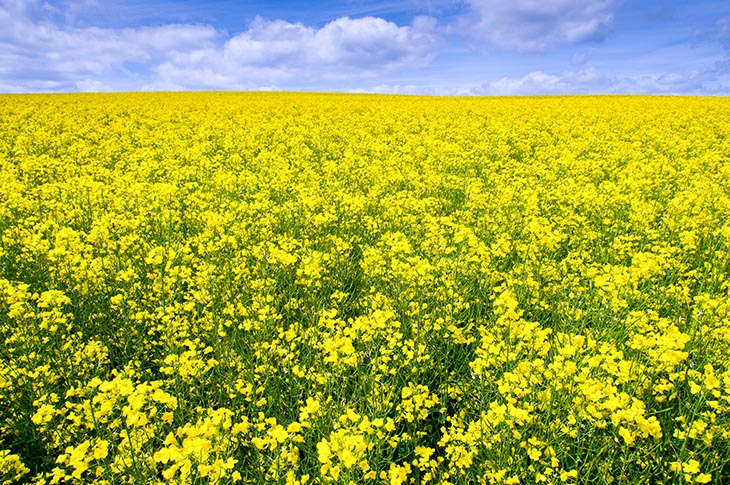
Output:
[[534, 25], [37, 54], [593, 81], [539, 82], [277, 50], [39, 51], [415, 89], [92, 86]]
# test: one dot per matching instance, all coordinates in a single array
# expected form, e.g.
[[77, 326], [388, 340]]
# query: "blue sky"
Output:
[[441, 47]]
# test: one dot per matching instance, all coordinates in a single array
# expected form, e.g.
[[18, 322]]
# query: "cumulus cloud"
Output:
[[277, 50], [40, 51], [38, 54], [534, 25]]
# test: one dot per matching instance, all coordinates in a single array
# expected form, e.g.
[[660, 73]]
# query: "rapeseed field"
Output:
[[347, 289]]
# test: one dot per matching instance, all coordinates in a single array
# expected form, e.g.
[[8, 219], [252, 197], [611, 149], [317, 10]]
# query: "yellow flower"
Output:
[[278, 433], [397, 475], [703, 478], [11, 468], [567, 475], [692, 466], [627, 435], [101, 449], [323, 451]]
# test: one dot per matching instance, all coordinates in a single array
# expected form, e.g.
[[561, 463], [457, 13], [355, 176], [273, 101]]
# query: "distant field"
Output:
[[313, 288]]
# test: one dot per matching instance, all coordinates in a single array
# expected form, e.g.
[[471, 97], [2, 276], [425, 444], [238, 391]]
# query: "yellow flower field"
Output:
[[335, 289]]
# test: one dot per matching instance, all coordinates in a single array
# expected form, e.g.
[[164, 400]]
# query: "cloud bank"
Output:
[[37, 53], [274, 51], [591, 80]]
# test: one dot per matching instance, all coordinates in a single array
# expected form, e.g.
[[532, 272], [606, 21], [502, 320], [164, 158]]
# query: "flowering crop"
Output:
[[334, 289]]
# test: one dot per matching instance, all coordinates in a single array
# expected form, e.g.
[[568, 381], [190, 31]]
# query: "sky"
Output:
[[431, 47]]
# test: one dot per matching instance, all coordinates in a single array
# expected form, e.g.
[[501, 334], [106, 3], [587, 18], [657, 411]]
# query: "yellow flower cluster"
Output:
[[337, 289], [11, 468]]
